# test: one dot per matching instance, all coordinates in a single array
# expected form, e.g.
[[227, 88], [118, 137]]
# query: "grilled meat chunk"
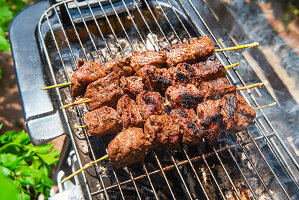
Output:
[[209, 113], [161, 80], [104, 92], [150, 103], [183, 74], [237, 114], [132, 85], [128, 147], [195, 49], [216, 89], [164, 132], [103, 121], [147, 74], [183, 96], [120, 67], [149, 57], [210, 69], [129, 112], [190, 126], [86, 73]]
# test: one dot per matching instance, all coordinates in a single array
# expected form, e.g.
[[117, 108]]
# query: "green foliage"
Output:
[[8, 10], [27, 166]]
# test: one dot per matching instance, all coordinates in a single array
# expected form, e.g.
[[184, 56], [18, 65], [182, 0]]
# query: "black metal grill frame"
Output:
[[267, 132]]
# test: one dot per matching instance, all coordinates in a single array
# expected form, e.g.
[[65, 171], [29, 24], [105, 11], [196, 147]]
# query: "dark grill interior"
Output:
[[254, 164]]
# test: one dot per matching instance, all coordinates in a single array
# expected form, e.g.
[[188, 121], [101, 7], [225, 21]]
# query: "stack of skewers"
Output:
[[160, 100]]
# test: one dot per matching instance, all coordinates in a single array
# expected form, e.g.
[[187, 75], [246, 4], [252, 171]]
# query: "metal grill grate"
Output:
[[253, 164]]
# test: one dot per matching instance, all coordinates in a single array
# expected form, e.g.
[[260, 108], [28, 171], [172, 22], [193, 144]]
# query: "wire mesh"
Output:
[[114, 31]]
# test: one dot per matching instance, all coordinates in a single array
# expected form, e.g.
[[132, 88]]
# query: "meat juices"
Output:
[[150, 103], [128, 147], [104, 92], [216, 89], [103, 121], [129, 112], [149, 57], [181, 96], [195, 49], [86, 73], [164, 132], [190, 126], [132, 85]]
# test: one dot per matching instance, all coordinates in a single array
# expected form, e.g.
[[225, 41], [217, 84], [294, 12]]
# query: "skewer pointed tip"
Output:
[[57, 86], [265, 106], [254, 44]]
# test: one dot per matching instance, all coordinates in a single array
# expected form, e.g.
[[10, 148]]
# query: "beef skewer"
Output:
[[171, 55], [106, 156]]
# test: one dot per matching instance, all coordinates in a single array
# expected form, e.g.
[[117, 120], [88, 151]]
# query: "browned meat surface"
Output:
[[210, 69], [196, 48], [149, 57], [190, 126], [182, 74], [86, 73], [132, 85], [183, 96], [103, 121], [161, 80], [128, 147], [237, 114], [164, 132], [104, 92], [209, 114], [147, 74], [150, 103], [120, 67], [129, 112], [216, 89]]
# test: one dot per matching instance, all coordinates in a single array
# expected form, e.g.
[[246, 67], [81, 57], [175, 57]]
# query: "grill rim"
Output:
[[275, 151]]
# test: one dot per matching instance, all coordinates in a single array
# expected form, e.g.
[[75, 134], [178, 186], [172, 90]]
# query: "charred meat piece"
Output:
[[147, 74], [120, 67], [237, 114], [195, 49], [150, 103], [132, 85], [128, 147], [104, 92], [129, 112], [164, 132], [210, 69], [181, 96], [209, 113], [216, 89], [149, 57], [190, 126], [183, 74], [161, 80], [103, 121], [86, 73]]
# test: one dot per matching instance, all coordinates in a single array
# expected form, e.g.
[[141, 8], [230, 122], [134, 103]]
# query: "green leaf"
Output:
[[0, 78], [5, 171], [4, 44], [10, 160], [43, 149], [23, 197], [28, 180], [8, 190], [49, 160]]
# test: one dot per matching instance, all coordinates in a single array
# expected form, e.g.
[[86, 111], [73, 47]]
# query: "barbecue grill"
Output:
[[47, 41]]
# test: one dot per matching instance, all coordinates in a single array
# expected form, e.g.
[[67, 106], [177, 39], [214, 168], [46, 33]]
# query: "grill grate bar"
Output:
[[227, 174], [196, 175], [291, 175], [242, 173], [255, 170], [149, 179], [268, 165], [181, 177], [88, 32], [212, 174], [134, 183]]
